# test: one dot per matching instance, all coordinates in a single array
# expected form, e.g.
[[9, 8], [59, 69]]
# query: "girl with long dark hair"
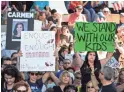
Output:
[[91, 68]]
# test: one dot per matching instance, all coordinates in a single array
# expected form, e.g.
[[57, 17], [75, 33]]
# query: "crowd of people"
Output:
[[76, 75]]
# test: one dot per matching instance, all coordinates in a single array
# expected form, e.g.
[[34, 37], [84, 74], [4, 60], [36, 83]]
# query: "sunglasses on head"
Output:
[[90, 87], [34, 74], [21, 91]]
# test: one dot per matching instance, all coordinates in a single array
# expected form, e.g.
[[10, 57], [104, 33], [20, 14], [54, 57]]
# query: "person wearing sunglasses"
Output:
[[77, 81], [21, 86], [90, 87], [35, 84]]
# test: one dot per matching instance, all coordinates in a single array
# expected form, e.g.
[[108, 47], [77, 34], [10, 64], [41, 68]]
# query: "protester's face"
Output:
[[33, 76], [91, 56], [61, 66], [78, 79], [55, 29], [19, 28], [67, 64], [66, 78], [65, 31], [79, 10], [65, 52], [122, 19], [106, 13], [90, 87], [7, 62], [122, 75], [21, 89], [55, 15], [77, 61], [9, 79]]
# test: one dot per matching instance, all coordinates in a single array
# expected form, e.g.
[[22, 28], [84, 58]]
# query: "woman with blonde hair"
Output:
[[63, 81], [90, 87]]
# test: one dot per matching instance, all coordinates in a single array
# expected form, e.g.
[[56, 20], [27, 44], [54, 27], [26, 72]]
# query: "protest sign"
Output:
[[37, 25], [38, 51], [17, 22], [3, 40], [113, 63], [94, 36]]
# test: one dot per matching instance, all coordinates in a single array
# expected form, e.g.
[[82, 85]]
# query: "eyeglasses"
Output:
[[78, 78], [34, 74], [21, 91], [90, 87], [105, 11]]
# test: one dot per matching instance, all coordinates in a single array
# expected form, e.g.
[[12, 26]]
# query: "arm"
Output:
[[24, 7], [70, 24], [84, 18], [37, 8], [72, 3], [15, 8], [94, 80], [120, 48], [92, 3], [108, 57], [59, 20], [120, 88], [4, 8], [55, 79], [45, 77], [84, 3]]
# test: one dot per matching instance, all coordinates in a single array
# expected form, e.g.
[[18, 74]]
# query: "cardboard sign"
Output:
[[17, 22], [94, 36], [38, 51], [113, 18]]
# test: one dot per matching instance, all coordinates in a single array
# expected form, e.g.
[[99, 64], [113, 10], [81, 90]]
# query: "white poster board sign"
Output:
[[38, 51], [37, 25]]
